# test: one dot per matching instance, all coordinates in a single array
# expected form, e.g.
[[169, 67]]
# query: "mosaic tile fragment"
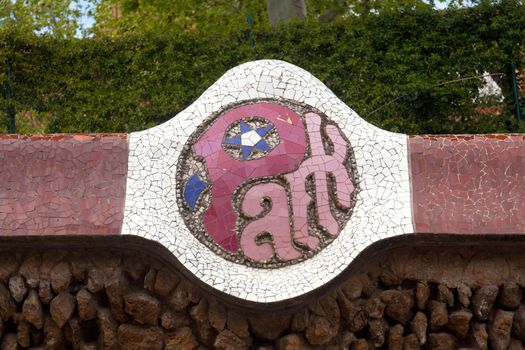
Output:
[[193, 190]]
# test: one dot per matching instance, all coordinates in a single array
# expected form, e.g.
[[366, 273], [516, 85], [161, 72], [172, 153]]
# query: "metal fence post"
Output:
[[516, 91], [11, 125]]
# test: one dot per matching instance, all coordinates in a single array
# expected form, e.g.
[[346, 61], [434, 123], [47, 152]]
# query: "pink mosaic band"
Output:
[[62, 184], [75, 184], [468, 184]]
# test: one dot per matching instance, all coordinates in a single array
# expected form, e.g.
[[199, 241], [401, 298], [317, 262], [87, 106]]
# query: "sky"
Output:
[[86, 21]]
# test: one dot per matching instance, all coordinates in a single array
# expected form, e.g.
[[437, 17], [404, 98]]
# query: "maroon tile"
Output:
[[468, 184], [64, 184]]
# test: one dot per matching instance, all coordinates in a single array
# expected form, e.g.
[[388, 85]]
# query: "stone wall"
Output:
[[419, 297]]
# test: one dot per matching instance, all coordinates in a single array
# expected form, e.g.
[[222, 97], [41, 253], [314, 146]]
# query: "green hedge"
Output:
[[392, 61]]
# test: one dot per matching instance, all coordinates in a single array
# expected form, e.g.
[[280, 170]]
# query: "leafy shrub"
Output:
[[403, 71]]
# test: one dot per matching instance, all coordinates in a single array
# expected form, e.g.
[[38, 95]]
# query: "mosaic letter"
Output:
[[275, 222], [319, 164], [227, 173]]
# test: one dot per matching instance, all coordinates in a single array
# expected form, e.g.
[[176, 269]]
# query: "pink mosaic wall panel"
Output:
[[468, 184], [62, 184]]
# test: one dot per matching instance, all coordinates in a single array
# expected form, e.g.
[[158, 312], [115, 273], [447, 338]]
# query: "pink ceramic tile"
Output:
[[209, 146], [62, 184], [468, 183], [277, 225], [319, 164]]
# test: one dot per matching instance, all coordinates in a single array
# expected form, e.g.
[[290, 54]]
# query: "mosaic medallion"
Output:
[[267, 187], [267, 183]]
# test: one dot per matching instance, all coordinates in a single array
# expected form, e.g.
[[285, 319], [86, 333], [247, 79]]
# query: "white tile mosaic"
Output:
[[382, 206]]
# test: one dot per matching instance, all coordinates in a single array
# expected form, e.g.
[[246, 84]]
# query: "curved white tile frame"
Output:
[[382, 206]]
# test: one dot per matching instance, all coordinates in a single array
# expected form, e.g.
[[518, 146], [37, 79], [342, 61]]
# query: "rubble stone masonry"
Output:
[[446, 297]]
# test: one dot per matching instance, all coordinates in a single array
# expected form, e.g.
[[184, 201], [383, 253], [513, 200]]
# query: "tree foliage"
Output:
[[58, 18], [117, 17], [406, 71]]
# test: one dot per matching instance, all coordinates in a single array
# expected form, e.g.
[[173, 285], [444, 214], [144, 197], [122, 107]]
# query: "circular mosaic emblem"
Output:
[[267, 184]]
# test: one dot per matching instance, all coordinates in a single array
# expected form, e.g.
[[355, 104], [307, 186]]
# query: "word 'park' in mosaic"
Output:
[[268, 183]]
